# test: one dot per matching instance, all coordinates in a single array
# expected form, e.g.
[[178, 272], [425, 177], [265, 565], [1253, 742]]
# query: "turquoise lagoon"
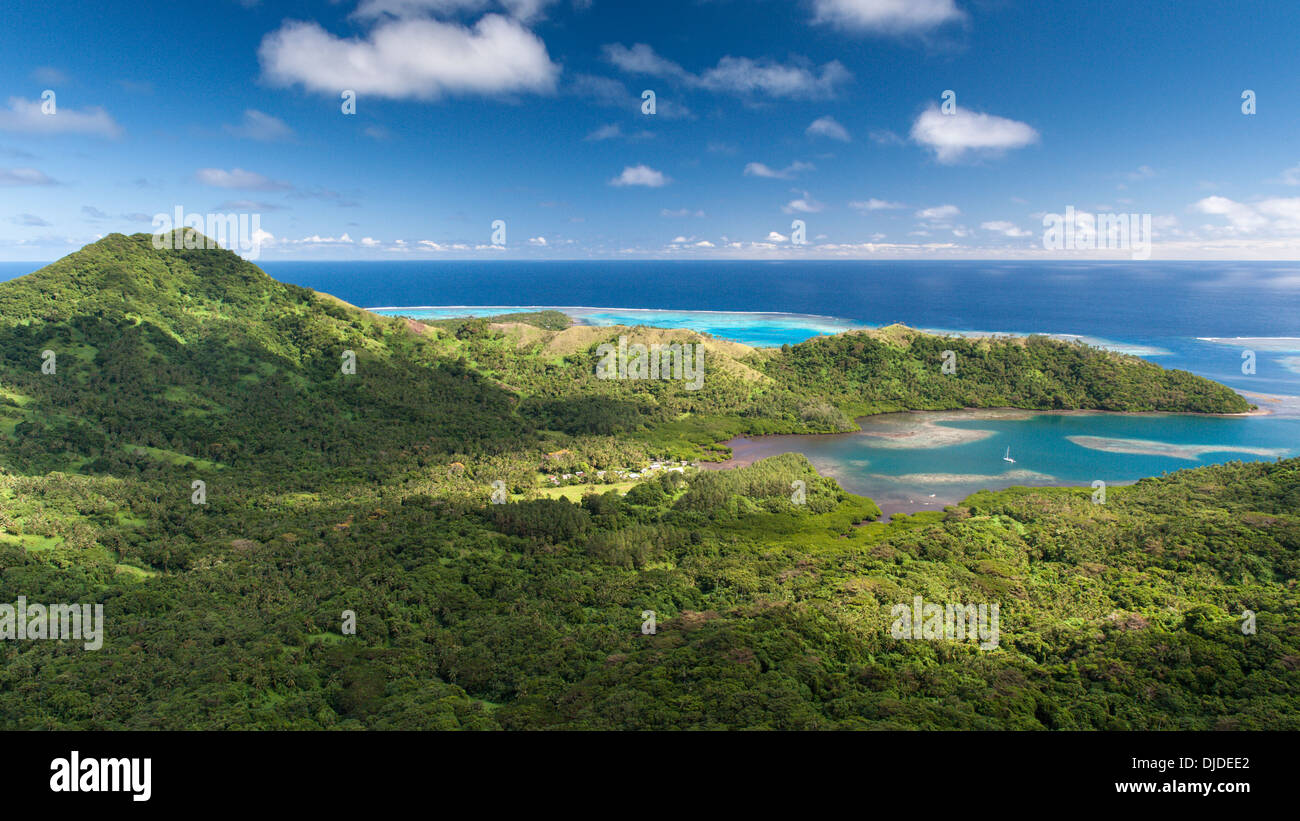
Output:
[[925, 460]]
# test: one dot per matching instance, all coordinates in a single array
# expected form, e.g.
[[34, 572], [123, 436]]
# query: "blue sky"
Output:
[[767, 112]]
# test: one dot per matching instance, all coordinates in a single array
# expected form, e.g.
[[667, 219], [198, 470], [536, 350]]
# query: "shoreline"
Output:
[[842, 324], [748, 449], [1008, 411]]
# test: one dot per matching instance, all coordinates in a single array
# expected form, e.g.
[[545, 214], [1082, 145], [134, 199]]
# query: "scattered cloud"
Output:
[[411, 58], [758, 169], [640, 175], [260, 126], [681, 213], [603, 90], [1276, 214], [239, 178], [1290, 176], [828, 127], [525, 10], [743, 76], [25, 117], [1143, 172], [886, 16], [605, 132], [24, 176], [886, 137], [874, 204], [803, 204], [953, 137], [30, 219], [1007, 229], [938, 212]]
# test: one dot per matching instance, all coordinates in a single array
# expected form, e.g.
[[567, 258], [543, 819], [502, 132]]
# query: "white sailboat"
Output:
[[1008, 458]]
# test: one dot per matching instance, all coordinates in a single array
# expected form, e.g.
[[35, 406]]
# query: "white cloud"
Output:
[[238, 178], [828, 127], [522, 9], [1277, 214], [605, 132], [886, 16], [938, 212], [540, 242], [952, 136], [1291, 176], [317, 239], [736, 75], [641, 59], [741, 75], [1008, 229], [773, 236], [681, 212], [640, 175], [24, 176], [25, 117], [803, 205], [758, 169], [370, 242], [603, 90], [874, 204], [416, 58], [259, 126]]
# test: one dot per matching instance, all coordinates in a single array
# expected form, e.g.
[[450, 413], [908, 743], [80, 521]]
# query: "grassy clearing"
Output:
[[29, 542], [171, 457], [574, 493], [132, 572]]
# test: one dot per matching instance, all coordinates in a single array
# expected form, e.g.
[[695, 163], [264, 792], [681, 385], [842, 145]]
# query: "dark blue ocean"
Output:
[[1163, 307]]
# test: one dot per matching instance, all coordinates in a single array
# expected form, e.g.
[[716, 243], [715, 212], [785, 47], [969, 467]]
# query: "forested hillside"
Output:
[[371, 491]]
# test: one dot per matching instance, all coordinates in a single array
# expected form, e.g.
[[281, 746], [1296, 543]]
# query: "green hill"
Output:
[[368, 493], [197, 355], [200, 354]]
